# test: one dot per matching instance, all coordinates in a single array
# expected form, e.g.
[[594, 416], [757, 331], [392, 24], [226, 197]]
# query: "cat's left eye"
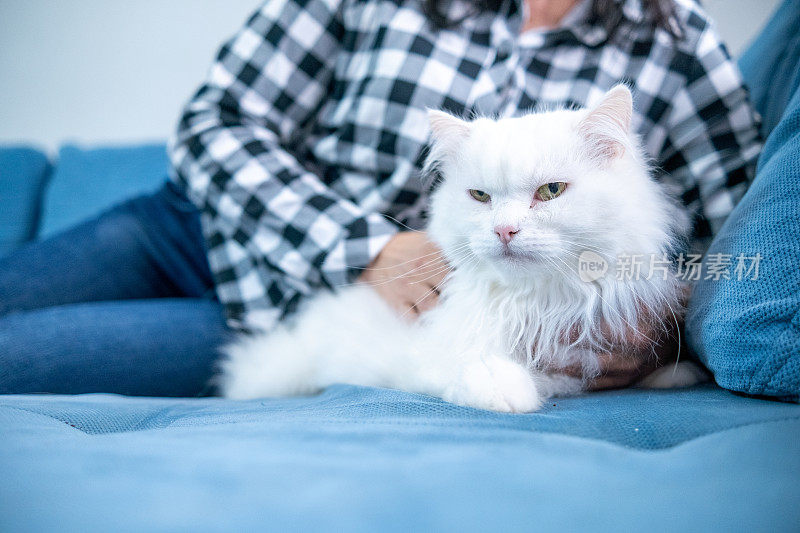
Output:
[[548, 191], [480, 195]]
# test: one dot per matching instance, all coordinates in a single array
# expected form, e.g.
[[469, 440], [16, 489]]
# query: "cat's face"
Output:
[[528, 194]]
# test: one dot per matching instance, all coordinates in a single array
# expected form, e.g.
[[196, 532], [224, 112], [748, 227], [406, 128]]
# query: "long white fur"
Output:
[[503, 325]]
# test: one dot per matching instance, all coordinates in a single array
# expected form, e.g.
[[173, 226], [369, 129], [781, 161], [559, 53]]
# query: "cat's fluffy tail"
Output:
[[351, 337], [263, 366]]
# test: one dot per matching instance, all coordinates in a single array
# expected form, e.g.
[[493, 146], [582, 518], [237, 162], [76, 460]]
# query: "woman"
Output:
[[301, 153]]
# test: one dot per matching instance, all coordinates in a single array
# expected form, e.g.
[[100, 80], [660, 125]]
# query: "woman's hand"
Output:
[[407, 273], [650, 347], [622, 369], [409, 270]]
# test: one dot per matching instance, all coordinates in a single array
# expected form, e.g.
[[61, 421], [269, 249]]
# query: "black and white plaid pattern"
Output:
[[312, 126]]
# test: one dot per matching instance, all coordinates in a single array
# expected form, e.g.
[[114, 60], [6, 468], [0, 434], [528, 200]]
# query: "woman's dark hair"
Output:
[[607, 12]]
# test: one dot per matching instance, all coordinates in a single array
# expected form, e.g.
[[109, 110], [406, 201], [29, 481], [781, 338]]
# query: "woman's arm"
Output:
[[261, 206], [712, 137]]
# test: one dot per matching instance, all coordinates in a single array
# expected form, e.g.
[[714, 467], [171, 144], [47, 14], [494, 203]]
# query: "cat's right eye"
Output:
[[549, 191], [480, 195]]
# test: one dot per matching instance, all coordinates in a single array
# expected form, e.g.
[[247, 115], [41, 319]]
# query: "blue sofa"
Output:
[[356, 458]]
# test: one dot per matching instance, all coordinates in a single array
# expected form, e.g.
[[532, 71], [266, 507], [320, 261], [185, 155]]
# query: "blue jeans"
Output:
[[123, 303]]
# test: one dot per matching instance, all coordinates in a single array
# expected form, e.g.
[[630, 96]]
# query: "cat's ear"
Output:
[[447, 131], [606, 127]]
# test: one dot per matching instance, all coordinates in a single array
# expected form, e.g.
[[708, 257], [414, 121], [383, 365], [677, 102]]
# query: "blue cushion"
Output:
[[88, 181], [771, 65], [363, 459], [748, 331], [23, 172]]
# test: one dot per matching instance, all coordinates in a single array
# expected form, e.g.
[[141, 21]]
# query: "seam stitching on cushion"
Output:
[[137, 427], [31, 411]]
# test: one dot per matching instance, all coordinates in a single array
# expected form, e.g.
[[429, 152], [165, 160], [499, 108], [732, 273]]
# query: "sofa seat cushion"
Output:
[[364, 459]]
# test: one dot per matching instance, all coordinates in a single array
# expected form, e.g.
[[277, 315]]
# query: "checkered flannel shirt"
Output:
[[308, 136]]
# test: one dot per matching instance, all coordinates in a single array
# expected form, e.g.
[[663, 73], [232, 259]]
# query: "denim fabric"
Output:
[[123, 303]]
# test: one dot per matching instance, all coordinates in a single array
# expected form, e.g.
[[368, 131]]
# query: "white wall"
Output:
[[105, 70], [739, 21], [119, 71]]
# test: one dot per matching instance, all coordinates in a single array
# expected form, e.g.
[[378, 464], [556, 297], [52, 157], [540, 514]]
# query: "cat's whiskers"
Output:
[[399, 264], [435, 288], [430, 262], [405, 226], [583, 246], [445, 268], [437, 271], [421, 270]]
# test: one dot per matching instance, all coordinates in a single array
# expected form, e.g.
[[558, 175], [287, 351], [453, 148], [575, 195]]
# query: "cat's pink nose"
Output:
[[505, 233]]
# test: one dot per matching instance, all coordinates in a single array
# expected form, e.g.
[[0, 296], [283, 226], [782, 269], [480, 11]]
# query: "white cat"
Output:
[[521, 199]]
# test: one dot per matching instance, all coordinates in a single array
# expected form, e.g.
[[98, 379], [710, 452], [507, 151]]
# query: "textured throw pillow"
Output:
[[88, 181], [23, 172], [747, 331]]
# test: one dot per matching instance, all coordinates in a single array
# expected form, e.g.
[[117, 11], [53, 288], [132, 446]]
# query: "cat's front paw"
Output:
[[495, 384]]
